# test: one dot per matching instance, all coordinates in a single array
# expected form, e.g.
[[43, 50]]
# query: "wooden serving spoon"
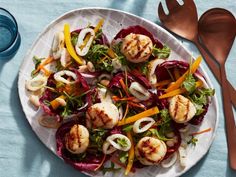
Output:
[[217, 30]]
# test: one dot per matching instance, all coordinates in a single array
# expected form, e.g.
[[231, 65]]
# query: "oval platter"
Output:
[[114, 21]]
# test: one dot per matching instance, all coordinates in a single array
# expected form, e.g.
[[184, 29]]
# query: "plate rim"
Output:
[[48, 26]]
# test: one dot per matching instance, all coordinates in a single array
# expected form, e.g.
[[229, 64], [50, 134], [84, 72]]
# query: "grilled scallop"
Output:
[[137, 47], [77, 140], [150, 150], [102, 115], [181, 109]]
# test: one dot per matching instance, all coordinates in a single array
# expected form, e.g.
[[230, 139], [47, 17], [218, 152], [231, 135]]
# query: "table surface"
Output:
[[21, 152]]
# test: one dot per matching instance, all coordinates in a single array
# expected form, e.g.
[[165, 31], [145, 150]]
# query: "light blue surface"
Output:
[[21, 152]]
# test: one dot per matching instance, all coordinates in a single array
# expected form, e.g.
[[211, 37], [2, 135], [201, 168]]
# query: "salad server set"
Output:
[[213, 34]]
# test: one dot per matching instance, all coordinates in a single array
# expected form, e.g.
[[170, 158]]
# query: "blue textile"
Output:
[[21, 152]]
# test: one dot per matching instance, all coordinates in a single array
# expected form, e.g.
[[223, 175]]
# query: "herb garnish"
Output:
[[193, 141], [189, 83], [161, 53], [122, 142], [97, 54], [123, 157], [97, 138]]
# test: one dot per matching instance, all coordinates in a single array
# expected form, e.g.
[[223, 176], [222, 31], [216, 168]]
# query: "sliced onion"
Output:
[[112, 140], [57, 45], [104, 76], [88, 76], [65, 57], [48, 121], [137, 125], [139, 91], [80, 42], [58, 76], [182, 156], [34, 99], [151, 70], [107, 148], [82, 107], [36, 83], [167, 163], [121, 112]]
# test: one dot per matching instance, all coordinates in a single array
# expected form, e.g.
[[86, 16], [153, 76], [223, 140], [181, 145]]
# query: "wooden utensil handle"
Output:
[[229, 120], [216, 71]]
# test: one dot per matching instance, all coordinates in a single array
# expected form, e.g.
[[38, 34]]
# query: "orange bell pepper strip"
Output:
[[146, 113], [191, 70]]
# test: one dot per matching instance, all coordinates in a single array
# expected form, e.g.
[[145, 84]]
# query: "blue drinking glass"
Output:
[[9, 35]]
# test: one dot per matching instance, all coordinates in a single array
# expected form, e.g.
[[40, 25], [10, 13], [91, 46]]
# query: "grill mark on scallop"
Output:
[[176, 106], [77, 135], [187, 107], [140, 51]]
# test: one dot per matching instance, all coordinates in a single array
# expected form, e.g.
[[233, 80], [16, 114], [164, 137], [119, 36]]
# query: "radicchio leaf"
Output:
[[138, 30]]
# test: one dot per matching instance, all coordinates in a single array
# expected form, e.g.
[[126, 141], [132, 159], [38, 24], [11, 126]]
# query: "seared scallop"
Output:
[[181, 109], [77, 140], [102, 115], [137, 47], [150, 150]]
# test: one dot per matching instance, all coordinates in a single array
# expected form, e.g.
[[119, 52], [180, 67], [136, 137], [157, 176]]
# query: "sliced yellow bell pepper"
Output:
[[179, 91], [69, 45], [99, 25], [146, 113], [131, 155], [191, 70]]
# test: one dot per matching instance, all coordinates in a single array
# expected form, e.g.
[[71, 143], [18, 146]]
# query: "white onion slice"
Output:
[[137, 125], [112, 140], [48, 121], [104, 76], [182, 156], [34, 99], [65, 57], [36, 83], [107, 148], [57, 45], [151, 70], [80, 42], [139, 91], [167, 163], [58, 76]]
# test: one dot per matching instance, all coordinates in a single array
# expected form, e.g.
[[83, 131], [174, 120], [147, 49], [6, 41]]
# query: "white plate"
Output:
[[114, 21]]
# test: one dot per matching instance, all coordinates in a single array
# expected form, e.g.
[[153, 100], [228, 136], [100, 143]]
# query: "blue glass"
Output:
[[9, 35]]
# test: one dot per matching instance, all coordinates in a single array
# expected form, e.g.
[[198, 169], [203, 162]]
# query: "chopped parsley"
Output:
[[193, 141], [161, 53], [122, 142]]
